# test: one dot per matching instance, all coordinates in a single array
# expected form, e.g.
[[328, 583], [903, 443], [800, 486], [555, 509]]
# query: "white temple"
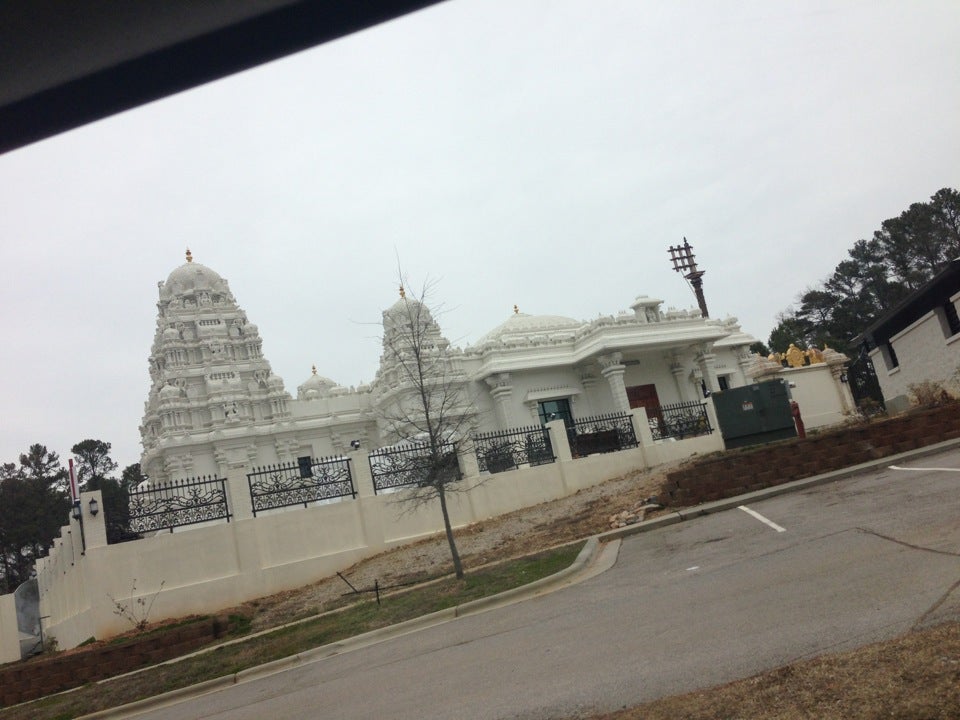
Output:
[[214, 401]]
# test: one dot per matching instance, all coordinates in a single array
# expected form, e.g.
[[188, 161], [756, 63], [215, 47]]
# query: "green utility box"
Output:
[[754, 414]]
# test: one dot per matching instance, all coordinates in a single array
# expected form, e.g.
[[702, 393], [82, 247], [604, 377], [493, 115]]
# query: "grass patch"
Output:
[[913, 677], [351, 621]]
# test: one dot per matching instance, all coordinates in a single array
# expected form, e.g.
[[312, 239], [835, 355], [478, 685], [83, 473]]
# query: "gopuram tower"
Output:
[[210, 384]]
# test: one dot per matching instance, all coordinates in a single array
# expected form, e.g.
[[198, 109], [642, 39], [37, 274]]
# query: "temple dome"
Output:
[[406, 308], [193, 276], [315, 386], [521, 325]]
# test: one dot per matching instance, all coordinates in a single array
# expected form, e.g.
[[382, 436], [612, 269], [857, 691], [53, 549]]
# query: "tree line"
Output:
[[35, 502], [906, 252]]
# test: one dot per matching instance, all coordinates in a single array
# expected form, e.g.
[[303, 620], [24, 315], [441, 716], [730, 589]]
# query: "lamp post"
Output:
[[684, 261]]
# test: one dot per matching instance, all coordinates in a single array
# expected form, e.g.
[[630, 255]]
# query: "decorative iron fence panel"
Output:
[[506, 449], [301, 483], [865, 387], [164, 506], [411, 465], [679, 420], [601, 433]]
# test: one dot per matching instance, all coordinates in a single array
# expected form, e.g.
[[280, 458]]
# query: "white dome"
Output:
[[315, 386], [192, 276], [520, 325]]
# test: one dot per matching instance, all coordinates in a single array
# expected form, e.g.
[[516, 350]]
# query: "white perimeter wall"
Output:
[[822, 398], [206, 569]]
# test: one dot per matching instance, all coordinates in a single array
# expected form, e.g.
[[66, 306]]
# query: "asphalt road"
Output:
[[688, 606]]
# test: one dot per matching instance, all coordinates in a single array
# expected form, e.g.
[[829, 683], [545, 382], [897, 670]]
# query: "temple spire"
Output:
[[189, 255]]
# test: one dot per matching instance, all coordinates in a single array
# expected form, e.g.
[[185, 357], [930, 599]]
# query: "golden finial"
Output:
[[314, 369], [403, 293], [189, 255], [516, 310]]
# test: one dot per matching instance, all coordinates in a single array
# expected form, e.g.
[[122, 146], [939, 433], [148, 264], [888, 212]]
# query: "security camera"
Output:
[[355, 444]]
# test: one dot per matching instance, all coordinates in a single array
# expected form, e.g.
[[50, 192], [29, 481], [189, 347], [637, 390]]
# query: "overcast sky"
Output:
[[541, 152]]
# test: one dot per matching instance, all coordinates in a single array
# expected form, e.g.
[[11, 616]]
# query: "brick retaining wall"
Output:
[[745, 470], [24, 681]]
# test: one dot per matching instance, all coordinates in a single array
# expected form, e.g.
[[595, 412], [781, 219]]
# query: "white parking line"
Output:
[[897, 467], [761, 518]]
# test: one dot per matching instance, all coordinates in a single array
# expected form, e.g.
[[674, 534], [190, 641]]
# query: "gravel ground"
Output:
[[522, 532]]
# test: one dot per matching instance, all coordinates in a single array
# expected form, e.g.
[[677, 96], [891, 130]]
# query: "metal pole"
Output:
[[83, 539]]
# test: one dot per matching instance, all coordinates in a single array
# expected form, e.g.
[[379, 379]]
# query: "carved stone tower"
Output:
[[209, 378]]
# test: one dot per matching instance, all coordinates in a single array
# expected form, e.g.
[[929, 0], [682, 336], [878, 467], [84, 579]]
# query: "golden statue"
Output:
[[794, 356]]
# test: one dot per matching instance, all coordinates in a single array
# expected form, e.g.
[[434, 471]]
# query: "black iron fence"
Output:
[[865, 387], [300, 483], [164, 506], [601, 433], [413, 465], [507, 449], [679, 420]]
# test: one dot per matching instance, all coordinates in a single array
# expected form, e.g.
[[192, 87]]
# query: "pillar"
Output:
[[705, 361], [641, 428], [360, 472], [837, 364], [559, 440], [613, 369], [501, 390], [678, 372], [238, 492], [745, 359], [467, 459]]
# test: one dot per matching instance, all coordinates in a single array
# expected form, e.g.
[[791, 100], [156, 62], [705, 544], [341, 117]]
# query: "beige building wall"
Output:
[[925, 350]]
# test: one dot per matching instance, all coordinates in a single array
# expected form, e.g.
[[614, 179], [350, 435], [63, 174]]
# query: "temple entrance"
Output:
[[645, 396], [555, 410]]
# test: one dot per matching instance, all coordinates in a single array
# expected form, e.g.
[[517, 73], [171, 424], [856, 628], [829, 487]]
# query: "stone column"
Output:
[[467, 459], [613, 369], [837, 362], [501, 390], [641, 428], [678, 372], [559, 440], [369, 507], [360, 471], [745, 360], [534, 409], [588, 381], [705, 361], [238, 492]]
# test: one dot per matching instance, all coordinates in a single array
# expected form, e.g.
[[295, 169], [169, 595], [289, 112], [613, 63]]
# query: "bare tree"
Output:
[[424, 403]]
